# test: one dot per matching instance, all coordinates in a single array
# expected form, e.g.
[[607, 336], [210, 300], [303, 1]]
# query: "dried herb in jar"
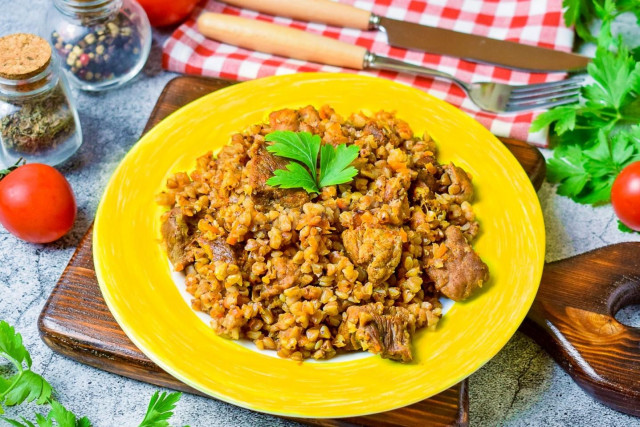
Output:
[[38, 120], [38, 124], [106, 50]]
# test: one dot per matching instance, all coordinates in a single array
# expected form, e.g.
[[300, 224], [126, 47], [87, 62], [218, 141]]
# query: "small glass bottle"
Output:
[[38, 120], [102, 44]]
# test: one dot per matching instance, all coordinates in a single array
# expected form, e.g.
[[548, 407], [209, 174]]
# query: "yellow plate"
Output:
[[135, 277]]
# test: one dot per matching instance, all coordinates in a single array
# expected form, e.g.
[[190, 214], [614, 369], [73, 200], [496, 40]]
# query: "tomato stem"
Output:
[[7, 171]]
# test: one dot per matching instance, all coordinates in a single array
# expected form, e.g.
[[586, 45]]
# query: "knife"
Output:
[[429, 39], [262, 36]]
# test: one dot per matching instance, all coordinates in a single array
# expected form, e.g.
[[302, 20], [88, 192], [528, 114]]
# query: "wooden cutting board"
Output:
[[76, 322]]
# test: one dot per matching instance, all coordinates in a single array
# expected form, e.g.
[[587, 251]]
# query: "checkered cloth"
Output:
[[534, 22]]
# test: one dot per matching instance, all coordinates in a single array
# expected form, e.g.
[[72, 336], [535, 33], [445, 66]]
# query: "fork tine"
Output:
[[516, 94], [552, 102], [540, 99], [546, 93], [572, 81]]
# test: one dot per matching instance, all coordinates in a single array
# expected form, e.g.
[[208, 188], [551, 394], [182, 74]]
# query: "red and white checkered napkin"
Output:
[[534, 22]]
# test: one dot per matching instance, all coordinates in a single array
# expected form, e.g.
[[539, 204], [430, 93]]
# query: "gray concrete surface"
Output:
[[520, 386]]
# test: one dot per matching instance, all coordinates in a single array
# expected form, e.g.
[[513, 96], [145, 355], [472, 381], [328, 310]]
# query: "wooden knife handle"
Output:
[[572, 318], [325, 11], [278, 40]]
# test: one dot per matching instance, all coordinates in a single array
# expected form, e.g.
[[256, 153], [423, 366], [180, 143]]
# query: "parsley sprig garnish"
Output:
[[597, 137], [304, 148], [28, 386]]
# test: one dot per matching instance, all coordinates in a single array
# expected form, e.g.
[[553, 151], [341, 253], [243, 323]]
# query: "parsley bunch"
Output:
[[597, 137], [28, 386], [304, 147]]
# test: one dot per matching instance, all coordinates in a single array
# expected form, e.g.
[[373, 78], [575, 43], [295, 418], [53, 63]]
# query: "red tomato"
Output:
[[162, 13], [37, 203], [625, 196]]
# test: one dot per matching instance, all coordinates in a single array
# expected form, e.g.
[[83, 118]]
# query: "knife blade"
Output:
[[409, 35]]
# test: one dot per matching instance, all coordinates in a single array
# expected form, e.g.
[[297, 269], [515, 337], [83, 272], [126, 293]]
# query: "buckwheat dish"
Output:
[[323, 268]]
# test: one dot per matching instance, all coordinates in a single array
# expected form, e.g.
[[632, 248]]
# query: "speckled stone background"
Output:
[[520, 386]]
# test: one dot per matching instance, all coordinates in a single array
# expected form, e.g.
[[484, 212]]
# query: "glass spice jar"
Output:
[[38, 120], [102, 44]]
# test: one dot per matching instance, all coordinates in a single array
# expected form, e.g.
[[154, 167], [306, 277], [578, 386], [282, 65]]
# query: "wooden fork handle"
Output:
[[325, 11], [572, 318], [278, 40]]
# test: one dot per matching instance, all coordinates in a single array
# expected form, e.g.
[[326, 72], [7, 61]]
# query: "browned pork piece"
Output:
[[377, 249], [424, 187], [218, 250], [285, 119], [175, 233], [461, 188], [379, 330], [259, 169], [462, 271]]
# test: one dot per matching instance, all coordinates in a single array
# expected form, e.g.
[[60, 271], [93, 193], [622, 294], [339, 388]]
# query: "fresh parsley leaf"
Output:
[[580, 13], [64, 417], [296, 176], [622, 227], [28, 386], [300, 146], [563, 117], [160, 409], [4, 384], [567, 168], [11, 347], [334, 164], [617, 76], [304, 147], [58, 413], [43, 422], [16, 423]]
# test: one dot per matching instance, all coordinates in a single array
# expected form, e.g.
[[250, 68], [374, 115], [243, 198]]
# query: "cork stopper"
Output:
[[23, 56]]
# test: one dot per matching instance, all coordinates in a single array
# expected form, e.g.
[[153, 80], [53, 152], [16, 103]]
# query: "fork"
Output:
[[292, 43], [493, 97]]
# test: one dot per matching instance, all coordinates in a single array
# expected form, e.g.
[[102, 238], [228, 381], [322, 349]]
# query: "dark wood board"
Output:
[[76, 322], [573, 319]]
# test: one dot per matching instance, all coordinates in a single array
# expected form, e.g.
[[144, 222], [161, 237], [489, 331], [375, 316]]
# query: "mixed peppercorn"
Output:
[[107, 50]]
